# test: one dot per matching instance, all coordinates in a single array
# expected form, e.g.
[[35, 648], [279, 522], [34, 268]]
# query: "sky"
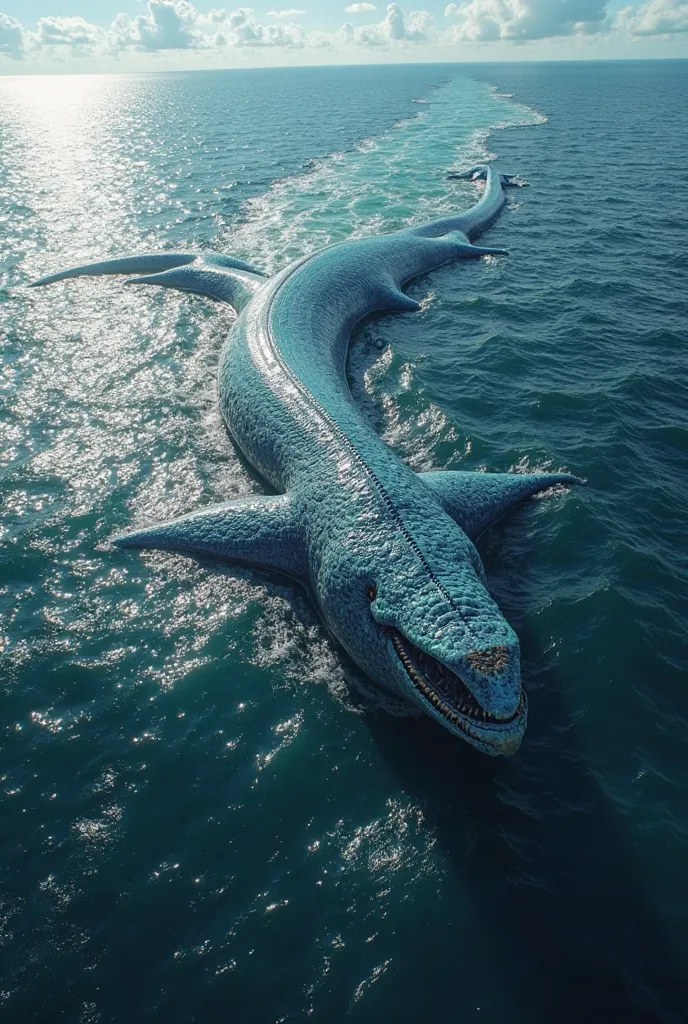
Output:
[[72, 36]]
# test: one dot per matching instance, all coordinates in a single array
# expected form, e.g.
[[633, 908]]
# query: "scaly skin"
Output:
[[386, 554]]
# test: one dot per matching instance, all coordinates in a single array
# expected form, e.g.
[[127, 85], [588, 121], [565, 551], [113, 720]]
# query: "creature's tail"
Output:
[[473, 222], [480, 171], [219, 277]]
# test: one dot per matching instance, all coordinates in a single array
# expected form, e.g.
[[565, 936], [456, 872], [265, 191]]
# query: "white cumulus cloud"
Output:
[[169, 25], [393, 25], [239, 17], [656, 18], [394, 28], [240, 28], [177, 25], [76, 33], [419, 26], [519, 20], [12, 36]]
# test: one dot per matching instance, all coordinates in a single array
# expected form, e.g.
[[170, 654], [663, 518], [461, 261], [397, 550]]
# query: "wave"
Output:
[[382, 182]]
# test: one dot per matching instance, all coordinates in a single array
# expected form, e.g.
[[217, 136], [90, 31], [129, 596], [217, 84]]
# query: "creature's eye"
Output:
[[371, 591]]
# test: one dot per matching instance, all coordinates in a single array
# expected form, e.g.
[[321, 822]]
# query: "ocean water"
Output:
[[207, 814]]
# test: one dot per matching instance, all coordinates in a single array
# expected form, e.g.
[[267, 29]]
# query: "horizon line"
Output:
[[357, 64]]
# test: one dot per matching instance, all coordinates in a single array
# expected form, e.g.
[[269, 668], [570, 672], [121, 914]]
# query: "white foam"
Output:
[[382, 183]]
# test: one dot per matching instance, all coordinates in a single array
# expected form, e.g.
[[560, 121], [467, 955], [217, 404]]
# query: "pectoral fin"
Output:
[[257, 530], [475, 500]]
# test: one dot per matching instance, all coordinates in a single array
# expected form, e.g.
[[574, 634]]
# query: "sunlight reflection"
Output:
[[75, 163]]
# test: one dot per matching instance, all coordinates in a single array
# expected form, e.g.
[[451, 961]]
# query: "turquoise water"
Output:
[[207, 814]]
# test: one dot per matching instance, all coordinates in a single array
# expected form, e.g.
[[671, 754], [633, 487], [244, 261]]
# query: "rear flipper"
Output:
[[512, 181], [481, 250], [206, 277], [480, 171], [218, 277], [458, 245], [149, 263]]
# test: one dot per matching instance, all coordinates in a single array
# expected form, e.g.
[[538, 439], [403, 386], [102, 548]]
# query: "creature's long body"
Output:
[[387, 555]]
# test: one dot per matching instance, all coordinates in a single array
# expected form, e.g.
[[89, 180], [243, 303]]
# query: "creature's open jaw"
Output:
[[450, 697]]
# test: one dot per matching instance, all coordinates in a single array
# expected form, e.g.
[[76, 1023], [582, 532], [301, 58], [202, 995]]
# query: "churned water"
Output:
[[207, 815]]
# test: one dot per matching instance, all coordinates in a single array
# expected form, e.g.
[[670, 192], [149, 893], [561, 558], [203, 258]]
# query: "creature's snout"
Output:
[[494, 659]]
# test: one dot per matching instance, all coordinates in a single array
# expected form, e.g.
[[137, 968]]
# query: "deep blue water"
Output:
[[206, 813]]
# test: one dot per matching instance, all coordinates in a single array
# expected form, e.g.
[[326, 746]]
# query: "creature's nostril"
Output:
[[371, 591], [491, 660]]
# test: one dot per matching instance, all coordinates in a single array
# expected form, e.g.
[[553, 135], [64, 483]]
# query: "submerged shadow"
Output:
[[546, 862]]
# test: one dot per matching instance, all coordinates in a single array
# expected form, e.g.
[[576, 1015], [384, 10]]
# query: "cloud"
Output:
[[169, 25], [217, 16], [657, 18], [519, 20], [419, 26], [393, 25], [12, 37], [76, 33], [121, 33], [239, 28], [239, 17], [288, 36], [177, 25], [392, 29]]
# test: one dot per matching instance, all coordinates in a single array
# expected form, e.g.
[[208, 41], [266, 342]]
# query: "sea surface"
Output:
[[207, 814]]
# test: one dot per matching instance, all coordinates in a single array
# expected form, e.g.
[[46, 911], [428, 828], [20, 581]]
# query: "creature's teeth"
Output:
[[426, 674]]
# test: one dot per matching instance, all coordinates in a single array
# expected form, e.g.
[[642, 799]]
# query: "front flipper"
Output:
[[258, 530], [476, 500]]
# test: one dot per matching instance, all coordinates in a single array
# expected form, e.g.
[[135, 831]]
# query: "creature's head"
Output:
[[422, 623]]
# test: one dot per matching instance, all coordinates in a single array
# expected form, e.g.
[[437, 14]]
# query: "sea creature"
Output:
[[387, 555]]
